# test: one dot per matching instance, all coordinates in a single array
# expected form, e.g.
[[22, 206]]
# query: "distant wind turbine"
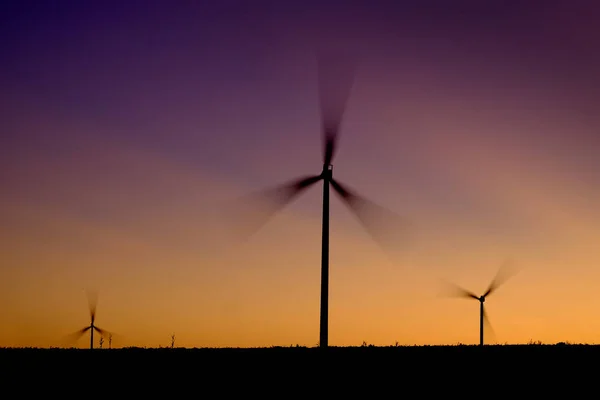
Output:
[[92, 302], [333, 99], [505, 272]]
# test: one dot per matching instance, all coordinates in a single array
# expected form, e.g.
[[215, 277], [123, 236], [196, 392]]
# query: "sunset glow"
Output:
[[128, 133]]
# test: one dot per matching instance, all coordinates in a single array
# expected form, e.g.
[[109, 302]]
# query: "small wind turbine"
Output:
[[504, 273], [92, 301], [333, 99]]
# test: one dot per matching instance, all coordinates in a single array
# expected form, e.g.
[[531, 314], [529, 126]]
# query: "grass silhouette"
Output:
[[405, 350]]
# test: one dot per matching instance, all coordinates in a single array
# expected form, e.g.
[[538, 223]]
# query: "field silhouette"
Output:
[[279, 372]]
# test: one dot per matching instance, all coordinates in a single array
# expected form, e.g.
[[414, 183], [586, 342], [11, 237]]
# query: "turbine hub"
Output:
[[482, 299]]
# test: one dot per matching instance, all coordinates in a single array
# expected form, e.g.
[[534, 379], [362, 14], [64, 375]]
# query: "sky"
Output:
[[129, 128]]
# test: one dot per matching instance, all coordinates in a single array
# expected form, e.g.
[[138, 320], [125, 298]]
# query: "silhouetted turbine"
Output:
[[504, 273], [333, 101], [92, 302]]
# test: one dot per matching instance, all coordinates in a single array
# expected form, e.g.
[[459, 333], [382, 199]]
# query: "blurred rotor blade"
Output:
[[251, 212], [488, 330], [335, 81], [453, 290], [74, 337], [108, 335], [390, 231], [506, 271], [92, 303], [104, 332]]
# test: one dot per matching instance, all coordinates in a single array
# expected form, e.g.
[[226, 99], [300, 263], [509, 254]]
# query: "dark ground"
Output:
[[530, 370]]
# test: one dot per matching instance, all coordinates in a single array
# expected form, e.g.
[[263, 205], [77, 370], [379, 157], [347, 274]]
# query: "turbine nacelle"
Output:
[[327, 171]]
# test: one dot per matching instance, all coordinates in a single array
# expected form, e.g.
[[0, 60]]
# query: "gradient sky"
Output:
[[126, 127]]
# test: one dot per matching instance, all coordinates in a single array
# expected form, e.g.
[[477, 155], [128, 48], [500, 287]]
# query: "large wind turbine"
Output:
[[504, 273], [92, 302], [333, 99]]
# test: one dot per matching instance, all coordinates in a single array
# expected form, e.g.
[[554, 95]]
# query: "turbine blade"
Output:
[[102, 331], [506, 271], [251, 212], [453, 290], [109, 335], [390, 231], [92, 303], [488, 328], [335, 81], [74, 337]]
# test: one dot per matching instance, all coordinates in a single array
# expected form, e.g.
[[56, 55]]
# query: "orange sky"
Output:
[[163, 264]]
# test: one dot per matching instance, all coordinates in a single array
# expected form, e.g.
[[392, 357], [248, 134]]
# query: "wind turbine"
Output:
[[333, 99], [505, 271], [92, 302]]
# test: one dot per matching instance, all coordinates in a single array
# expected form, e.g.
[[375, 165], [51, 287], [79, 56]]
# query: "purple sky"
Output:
[[200, 80]]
